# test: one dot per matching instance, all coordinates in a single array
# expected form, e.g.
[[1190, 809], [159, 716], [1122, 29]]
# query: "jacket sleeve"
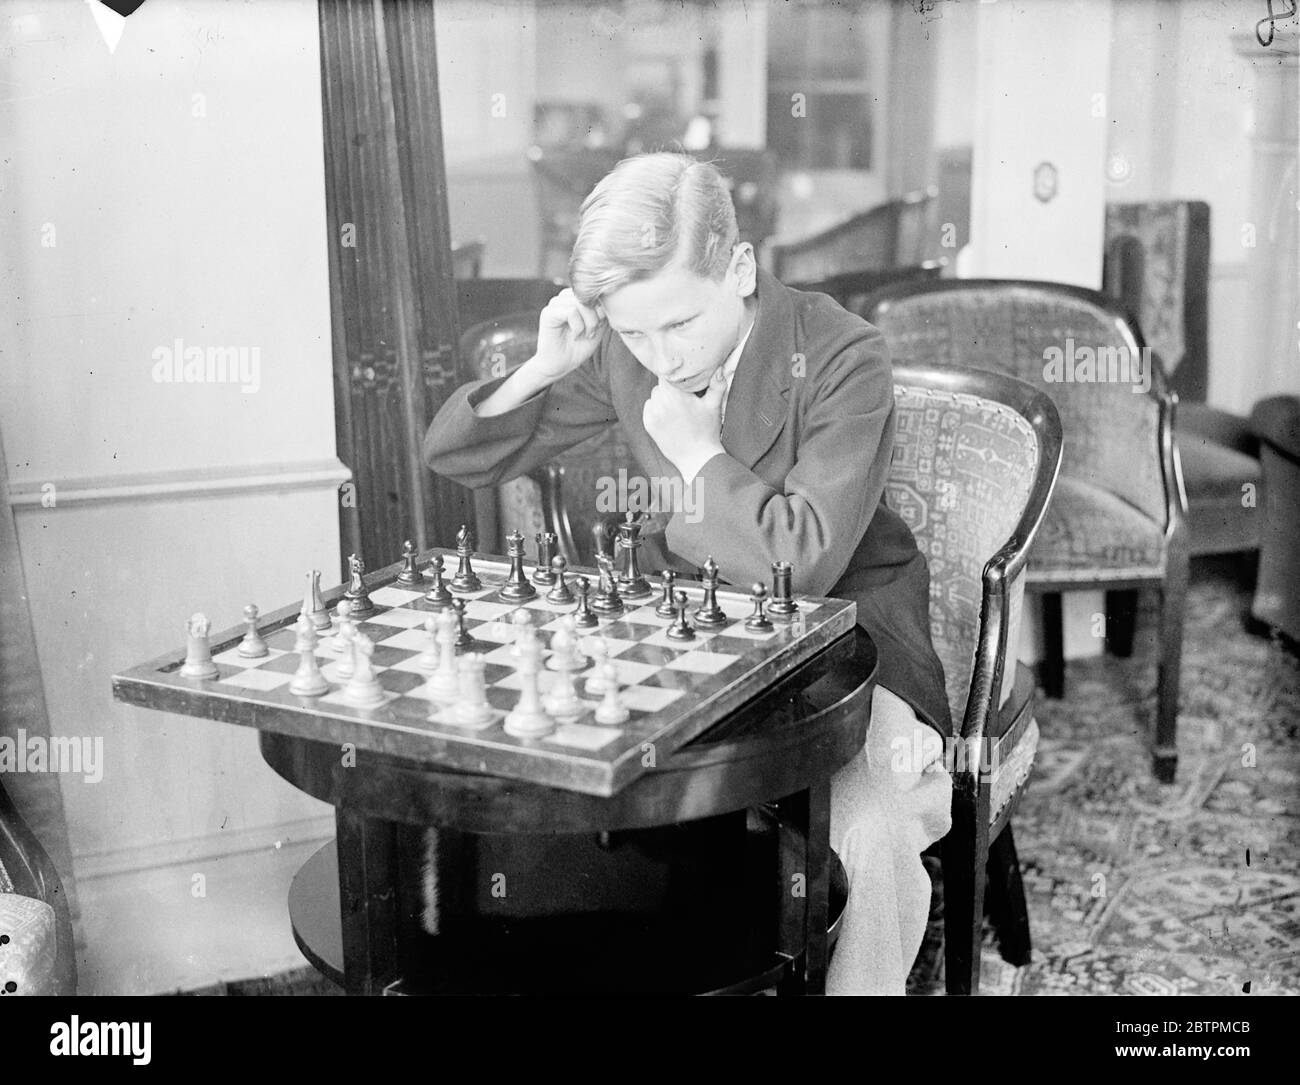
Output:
[[846, 436], [478, 452]]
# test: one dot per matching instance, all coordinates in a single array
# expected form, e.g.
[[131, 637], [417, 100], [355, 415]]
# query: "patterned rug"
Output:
[[1134, 887], [1138, 888]]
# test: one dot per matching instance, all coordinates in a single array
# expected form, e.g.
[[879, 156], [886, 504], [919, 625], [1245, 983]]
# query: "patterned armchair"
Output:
[[975, 458], [1117, 520]]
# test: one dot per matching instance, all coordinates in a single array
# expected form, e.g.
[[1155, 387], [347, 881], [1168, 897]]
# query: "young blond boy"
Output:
[[776, 408]]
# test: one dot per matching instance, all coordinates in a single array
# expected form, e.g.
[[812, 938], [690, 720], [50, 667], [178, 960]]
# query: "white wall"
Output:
[[1182, 104], [172, 189]]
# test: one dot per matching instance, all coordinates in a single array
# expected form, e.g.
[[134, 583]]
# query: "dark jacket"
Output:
[[809, 432]]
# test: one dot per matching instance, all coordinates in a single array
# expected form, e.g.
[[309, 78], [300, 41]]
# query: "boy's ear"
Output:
[[745, 266]]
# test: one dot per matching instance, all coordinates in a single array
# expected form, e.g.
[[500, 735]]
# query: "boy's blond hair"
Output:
[[648, 212]]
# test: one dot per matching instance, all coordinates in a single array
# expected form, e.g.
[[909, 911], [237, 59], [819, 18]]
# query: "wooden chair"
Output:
[[1276, 604], [894, 234], [1118, 517], [852, 288], [976, 456]]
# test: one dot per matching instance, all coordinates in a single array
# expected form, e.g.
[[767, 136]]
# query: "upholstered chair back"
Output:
[[1110, 420], [965, 468]]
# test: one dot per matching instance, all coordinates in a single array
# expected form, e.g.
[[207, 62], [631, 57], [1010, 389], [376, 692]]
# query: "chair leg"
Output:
[[963, 901], [1173, 604], [1121, 617], [1051, 670], [1006, 900]]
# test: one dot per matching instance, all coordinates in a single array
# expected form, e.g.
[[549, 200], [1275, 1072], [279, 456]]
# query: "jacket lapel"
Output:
[[757, 402]]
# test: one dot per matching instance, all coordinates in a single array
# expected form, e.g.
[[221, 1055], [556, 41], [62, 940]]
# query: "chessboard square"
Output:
[[514, 681], [547, 607], [402, 681], [661, 639], [501, 655], [726, 643], [232, 658], [386, 655], [614, 646], [284, 663], [401, 617], [648, 653], [621, 629], [283, 640], [739, 631], [470, 596], [257, 679], [735, 609], [409, 665], [583, 736], [629, 672], [650, 698], [331, 672], [663, 678], [703, 662], [495, 632], [411, 640], [390, 596], [646, 616], [484, 610]]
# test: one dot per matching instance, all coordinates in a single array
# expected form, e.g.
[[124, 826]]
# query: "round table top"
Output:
[[795, 733]]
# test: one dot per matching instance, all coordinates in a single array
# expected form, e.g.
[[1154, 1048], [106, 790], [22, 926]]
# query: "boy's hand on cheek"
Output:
[[688, 430]]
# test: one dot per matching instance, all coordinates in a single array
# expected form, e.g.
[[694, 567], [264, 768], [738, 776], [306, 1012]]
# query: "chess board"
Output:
[[675, 690]]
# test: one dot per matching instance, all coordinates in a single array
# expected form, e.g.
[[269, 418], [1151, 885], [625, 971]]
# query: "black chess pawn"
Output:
[[757, 622], [585, 618], [560, 594], [543, 577], [630, 581], [362, 607], [465, 579], [516, 589], [666, 609], [681, 628], [410, 576], [709, 613], [464, 641], [782, 607], [437, 596]]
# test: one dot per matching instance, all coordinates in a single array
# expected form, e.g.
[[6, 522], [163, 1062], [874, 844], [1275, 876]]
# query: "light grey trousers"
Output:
[[888, 804]]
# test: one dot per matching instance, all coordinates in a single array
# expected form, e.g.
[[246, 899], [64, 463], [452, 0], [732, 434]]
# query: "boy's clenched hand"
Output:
[[688, 430]]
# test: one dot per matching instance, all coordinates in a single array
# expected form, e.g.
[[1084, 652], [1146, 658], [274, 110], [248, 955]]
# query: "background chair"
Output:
[[1276, 423], [1118, 517], [976, 457], [37, 955], [852, 289], [547, 499], [1157, 266], [899, 233]]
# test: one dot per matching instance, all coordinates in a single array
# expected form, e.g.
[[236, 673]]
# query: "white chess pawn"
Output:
[[611, 710], [252, 646], [523, 623], [562, 701], [565, 651], [598, 647], [307, 680], [363, 687], [472, 709], [444, 683], [347, 629], [428, 659], [198, 656], [528, 719]]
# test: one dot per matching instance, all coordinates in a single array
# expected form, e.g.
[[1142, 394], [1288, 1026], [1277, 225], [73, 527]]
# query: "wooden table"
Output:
[[727, 841]]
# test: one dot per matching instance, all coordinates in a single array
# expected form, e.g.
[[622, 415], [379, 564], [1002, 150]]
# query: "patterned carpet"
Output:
[[1135, 888]]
